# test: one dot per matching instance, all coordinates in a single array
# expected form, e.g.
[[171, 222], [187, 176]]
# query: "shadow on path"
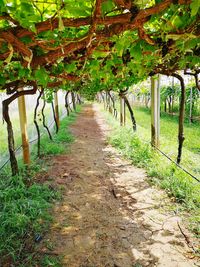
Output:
[[101, 221]]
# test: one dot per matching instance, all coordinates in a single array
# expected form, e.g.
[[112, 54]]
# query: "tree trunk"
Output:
[[181, 137], [114, 108], [35, 121], [54, 117], [66, 102], [169, 105], [109, 103], [79, 99], [11, 143], [104, 101], [73, 101], [131, 112], [44, 120], [121, 111], [165, 107]]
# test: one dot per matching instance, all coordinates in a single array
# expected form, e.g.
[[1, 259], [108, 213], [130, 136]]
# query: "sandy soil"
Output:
[[109, 215]]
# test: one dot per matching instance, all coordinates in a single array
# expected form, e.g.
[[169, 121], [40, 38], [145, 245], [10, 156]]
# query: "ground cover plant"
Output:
[[25, 203], [168, 136]]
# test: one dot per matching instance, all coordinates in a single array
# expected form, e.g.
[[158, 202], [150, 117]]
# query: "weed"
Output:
[[25, 204], [48, 261]]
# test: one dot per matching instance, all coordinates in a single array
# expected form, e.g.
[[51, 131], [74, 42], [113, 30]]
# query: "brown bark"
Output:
[[16, 43], [44, 120], [103, 98], [35, 121], [52, 24], [130, 111], [195, 74], [54, 116], [117, 24], [73, 101], [11, 142], [79, 101], [165, 106], [113, 102], [66, 102], [181, 137]]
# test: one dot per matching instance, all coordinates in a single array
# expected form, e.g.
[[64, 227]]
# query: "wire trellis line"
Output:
[[52, 123], [173, 161]]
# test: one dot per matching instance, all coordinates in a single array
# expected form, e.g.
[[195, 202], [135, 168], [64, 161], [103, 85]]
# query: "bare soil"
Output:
[[109, 215]]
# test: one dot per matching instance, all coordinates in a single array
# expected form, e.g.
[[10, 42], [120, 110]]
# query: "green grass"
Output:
[[16, 128], [25, 204], [169, 139], [179, 186], [169, 128], [55, 146]]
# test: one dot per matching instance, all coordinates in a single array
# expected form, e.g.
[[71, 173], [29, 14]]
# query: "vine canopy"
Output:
[[95, 45]]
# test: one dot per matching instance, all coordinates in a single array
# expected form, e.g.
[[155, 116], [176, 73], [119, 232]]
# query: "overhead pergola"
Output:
[[94, 46]]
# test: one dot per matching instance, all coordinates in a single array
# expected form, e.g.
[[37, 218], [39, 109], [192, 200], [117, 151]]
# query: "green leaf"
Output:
[[42, 77], [69, 68], [136, 51], [107, 6], [194, 7], [2, 7], [2, 80]]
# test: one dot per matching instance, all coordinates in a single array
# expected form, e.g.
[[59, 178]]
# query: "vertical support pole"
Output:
[[56, 108], [124, 111], [104, 100], [23, 127], [191, 104], [172, 107], [121, 111], [155, 111]]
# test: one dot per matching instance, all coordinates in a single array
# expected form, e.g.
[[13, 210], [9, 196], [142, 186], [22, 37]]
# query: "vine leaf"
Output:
[[42, 77], [194, 7]]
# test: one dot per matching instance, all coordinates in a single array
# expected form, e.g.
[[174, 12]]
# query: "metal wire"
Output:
[[52, 123], [179, 166]]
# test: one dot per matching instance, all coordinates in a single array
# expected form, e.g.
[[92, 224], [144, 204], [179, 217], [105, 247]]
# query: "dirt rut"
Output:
[[109, 215]]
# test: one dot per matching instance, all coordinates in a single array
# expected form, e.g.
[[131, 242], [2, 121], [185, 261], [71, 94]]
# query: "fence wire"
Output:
[[173, 161], [32, 131]]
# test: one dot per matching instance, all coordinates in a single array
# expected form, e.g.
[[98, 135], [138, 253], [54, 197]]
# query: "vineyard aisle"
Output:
[[109, 215]]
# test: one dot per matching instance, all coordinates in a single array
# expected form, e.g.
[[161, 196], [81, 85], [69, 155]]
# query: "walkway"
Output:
[[109, 215]]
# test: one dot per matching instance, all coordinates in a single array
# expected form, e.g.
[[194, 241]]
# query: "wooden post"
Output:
[[155, 111], [23, 126], [172, 107], [124, 111], [191, 104], [121, 111], [56, 108]]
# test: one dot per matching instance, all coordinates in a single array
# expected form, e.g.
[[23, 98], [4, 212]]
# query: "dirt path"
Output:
[[109, 215]]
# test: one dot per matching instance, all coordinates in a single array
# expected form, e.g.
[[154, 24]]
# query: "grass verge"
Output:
[[179, 186], [25, 204]]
